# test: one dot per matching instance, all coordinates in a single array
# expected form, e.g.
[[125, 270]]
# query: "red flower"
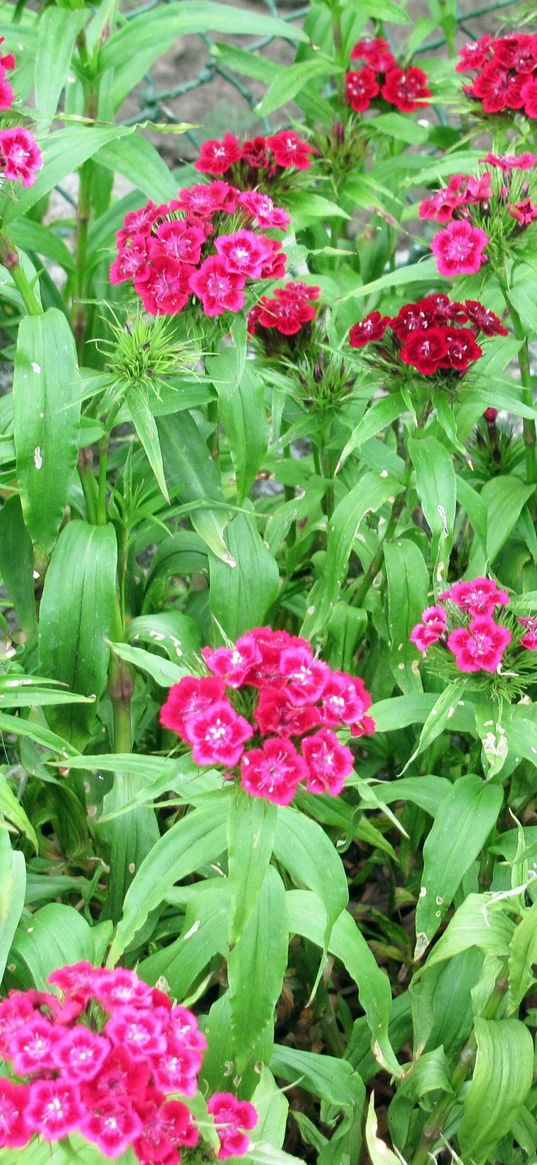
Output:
[[189, 699], [517, 51], [14, 1132], [529, 639], [376, 52], [366, 331], [289, 310], [20, 156], [218, 288], [360, 89], [480, 646], [216, 157], [424, 350], [443, 310], [485, 320], [498, 89], [262, 209], [181, 240], [461, 349], [406, 89], [290, 150], [275, 714], [459, 249], [166, 289], [524, 212], [305, 677], [7, 95], [274, 771], [329, 762], [231, 1117], [413, 317], [204, 201], [218, 735], [474, 55], [256, 154]]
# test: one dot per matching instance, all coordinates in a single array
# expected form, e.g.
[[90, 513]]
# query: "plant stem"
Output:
[[79, 316], [120, 689], [434, 1126], [22, 283], [528, 425], [378, 558], [89, 484]]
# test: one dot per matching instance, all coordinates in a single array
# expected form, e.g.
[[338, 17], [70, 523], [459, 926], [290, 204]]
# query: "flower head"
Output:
[[459, 249], [233, 1119], [480, 646]]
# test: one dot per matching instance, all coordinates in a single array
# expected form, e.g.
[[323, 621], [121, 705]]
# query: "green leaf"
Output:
[[442, 711], [49, 938], [403, 129], [17, 563], [124, 841], [288, 82], [241, 406], [58, 29], [11, 808], [163, 671], [379, 1152], [192, 475], [459, 832], [256, 968], [480, 922], [407, 580], [501, 1081], [522, 958], [46, 403], [428, 791], [423, 272], [12, 892], [381, 414], [504, 498], [178, 634], [368, 495], [32, 236], [436, 487], [146, 428], [305, 850], [77, 609], [251, 825], [204, 935], [332, 1080], [241, 594], [190, 844], [305, 206], [140, 163]]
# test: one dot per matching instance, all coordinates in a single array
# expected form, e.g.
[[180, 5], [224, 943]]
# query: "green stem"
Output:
[[89, 484], [434, 1126], [528, 425], [25, 289], [120, 689], [375, 565], [79, 315]]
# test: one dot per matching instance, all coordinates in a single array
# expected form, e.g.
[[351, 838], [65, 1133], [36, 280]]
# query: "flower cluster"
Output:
[[182, 249], [435, 335], [101, 1057], [379, 79], [498, 198], [506, 69], [20, 157], [297, 702], [466, 626], [287, 310], [256, 162]]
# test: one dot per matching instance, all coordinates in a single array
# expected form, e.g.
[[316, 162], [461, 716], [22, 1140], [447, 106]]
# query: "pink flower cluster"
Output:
[[381, 79], [468, 201], [100, 1058], [256, 161], [297, 702], [476, 640], [287, 310], [506, 68], [435, 335], [20, 157], [182, 249]]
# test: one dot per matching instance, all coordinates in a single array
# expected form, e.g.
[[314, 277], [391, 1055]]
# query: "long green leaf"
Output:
[[309, 856], [12, 891], [17, 562], [256, 968], [241, 595], [407, 578], [192, 475], [58, 29], [251, 825], [501, 1081], [241, 405], [146, 428]]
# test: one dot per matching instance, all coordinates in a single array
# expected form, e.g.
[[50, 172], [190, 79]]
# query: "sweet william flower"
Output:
[[425, 350], [329, 762], [20, 156], [529, 639], [218, 735], [54, 1108], [189, 699], [243, 252], [372, 327], [478, 596], [14, 1131], [480, 646], [459, 249], [274, 771], [112, 1126], [360, 89], [232, 1117], [218, 288], [80, 1054], [216, 157], [407, 89], [290, 150]]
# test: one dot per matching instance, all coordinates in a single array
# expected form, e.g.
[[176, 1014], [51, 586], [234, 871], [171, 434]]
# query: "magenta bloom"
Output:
[[80, 1053], [424, 634], [54, 1108], [121, 988], [231, 1118], [218, 735], [141, 1030], [479, 596], [329, 762], [32, 1045], [233, 663], [182, 241], [218, 288], [480, 646], [345, 699], [459, 249], [112, 1125], [263, 210], [276, 715], [189, 699], [14, 1132], [529, 639], [305, 676], [244, 252], [20, 156], [176, 1069], [274, 771]]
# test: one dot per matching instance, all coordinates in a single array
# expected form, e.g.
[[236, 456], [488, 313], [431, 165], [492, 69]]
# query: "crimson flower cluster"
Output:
[[499, 195], [101, 1058], [20, 157], [257, 161], [287, 310], [182, 249], [465, 625], [379, 79], [433, 335], [506, 69], [297, 701]]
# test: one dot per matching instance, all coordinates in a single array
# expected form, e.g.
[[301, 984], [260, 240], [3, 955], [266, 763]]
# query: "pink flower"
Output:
[[218, 735], [31, 1046], [181, 240], [344, 700], [15, 1012], [80, 1053], [176, 1069], [7, 95], [263, 210], [275, 714], [524, 212], [218, 288], [205, 200], [233, 663], [216, 157], [509, 162], [479, 596], [231, 1117], [290, 150], [480, 646], [166, 290], [189, 699], [14, 1132], [305, 676], [273, 772], [529, 639], [54, 1108], [243, 252], [430, 631], [121, 988], [329, 762], [166, 1126], [459, 249], [528, 94], [143, 1031], [112, 1126], [20, 156]]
